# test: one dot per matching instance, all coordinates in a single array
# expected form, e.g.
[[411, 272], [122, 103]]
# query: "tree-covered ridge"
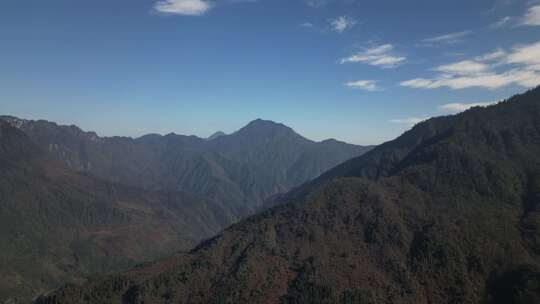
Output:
[[446, 213], [237, 171], [59, 226], [151, 196]]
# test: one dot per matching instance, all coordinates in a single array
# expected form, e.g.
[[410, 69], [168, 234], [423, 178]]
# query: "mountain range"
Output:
[[449, 212], [58, 225], [75, 205], [238, 171]]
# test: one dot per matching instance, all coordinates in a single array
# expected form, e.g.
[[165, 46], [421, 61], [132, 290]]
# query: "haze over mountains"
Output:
[[238, 171], [106, 197], [446, 213], [60, 226], [74, 204]]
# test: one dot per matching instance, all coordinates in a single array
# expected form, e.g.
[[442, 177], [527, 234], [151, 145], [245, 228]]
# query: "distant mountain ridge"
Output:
[[449, 212], [215, 135], [238, 171], [92, 204], [59, 226]]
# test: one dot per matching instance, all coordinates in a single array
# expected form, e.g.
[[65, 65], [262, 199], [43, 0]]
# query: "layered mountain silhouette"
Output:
[[216, 135], [237, 171], [446, 213], [60, 226], [73, 204]]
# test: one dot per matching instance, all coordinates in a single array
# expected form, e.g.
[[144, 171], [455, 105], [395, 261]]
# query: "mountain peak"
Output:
[[216, 135], [13, 121], [265, 127], [264, 123], [331, 141], [14, 144]]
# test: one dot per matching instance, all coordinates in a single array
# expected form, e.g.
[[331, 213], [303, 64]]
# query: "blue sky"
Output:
[[359, 71]]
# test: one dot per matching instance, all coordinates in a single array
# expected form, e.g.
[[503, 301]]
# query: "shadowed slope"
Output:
[[58, 226]]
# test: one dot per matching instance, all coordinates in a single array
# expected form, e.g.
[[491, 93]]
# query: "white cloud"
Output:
[[368, 85], [307, 24], [501, 22], [380, 56], [494, 70], [526, 54], [495, 55], [451, 38], [532, 17], [519, 77], [464, 67], [342, 24], [411, 121], [183, 7], [420, 83], [381, 49], [460, 107], [192, 7]]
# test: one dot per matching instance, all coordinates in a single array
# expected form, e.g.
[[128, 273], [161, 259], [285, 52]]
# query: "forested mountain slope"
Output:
[[446, 213], [237, 171], [59, 226]]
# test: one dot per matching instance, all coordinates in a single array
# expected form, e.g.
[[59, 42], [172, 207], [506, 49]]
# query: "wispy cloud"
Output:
[[532, 18], [450, 38], [449, 108], [493, 56], [527, 55], [342, 23], [183, 7], [460, 107], [307, 24], [520, 66], [410, 121], [191, 7], [367, 85], [499, 4], [382, 56], [464, 67], [504, 21], [522, 78], [316, 3]]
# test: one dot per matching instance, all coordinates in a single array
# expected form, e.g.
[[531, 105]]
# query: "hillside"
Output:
[[237, 171], [446, 213], [60, 226]]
